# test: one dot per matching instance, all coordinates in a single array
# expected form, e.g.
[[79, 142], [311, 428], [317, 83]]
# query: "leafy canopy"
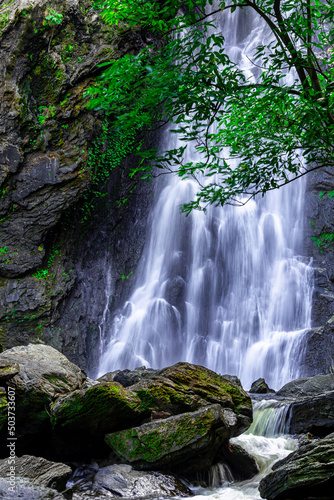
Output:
[[249, 133]]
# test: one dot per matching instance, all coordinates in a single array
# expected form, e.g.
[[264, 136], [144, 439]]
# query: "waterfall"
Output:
[[227, 289], [270, 418]]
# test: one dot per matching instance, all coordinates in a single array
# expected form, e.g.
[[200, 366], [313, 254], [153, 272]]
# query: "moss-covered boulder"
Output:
[[86, 415], [306, 473], [44, 374], [187, 443], [81, 419], [186, 387]]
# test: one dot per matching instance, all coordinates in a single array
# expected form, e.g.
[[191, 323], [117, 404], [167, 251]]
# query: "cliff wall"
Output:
[[59, 242]]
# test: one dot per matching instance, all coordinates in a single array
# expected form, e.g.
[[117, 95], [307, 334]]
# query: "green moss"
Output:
[[157, 440], [107, 404], [3, 410]]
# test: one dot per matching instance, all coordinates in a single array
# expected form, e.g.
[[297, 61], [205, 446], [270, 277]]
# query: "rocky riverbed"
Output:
[[148, 433]]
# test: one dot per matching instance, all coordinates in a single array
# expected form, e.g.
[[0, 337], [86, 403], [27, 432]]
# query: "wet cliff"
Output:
[[66, 218], [319, 244]]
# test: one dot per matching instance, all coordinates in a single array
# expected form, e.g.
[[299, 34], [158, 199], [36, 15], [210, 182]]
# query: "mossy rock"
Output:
[[186, 387], [307, 473], [43, 374], [189, 441], [81, 419], [98, 409], [86, 415]]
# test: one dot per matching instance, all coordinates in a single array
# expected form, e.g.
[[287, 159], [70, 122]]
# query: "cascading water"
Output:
[[225, 289], [266, 441]]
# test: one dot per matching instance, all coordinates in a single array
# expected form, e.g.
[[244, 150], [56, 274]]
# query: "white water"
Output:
[[266, 451], [226, 289], [266, 441]]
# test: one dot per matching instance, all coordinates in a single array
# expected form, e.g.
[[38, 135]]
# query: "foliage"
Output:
[[5, 9], [249, 133], [43, 273], [108, 150], [53, 18], [323, 241]]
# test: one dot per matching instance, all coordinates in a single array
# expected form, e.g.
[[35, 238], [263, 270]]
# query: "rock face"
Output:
[[312, 405], [319, 224], [41, 472], [45, 70], [54, 244], [306, 473]]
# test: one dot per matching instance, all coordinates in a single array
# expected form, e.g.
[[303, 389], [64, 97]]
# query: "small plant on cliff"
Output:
[[261, 125], [41, 274], [109, 148], [52, 18]]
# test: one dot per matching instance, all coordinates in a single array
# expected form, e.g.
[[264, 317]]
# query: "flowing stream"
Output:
[[228, 289], [266, 441]]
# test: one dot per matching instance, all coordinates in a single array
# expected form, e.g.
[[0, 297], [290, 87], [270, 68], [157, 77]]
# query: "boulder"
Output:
[[306, 473], [314, 414], [82, 418], [44, 373], [185, 387], [233, 378], [24, 489], [187, 443], [311, 404], [241, 463], [123, 481], [128, 377], [308, 386], [38, 470], [86, 415], [260, 387]]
